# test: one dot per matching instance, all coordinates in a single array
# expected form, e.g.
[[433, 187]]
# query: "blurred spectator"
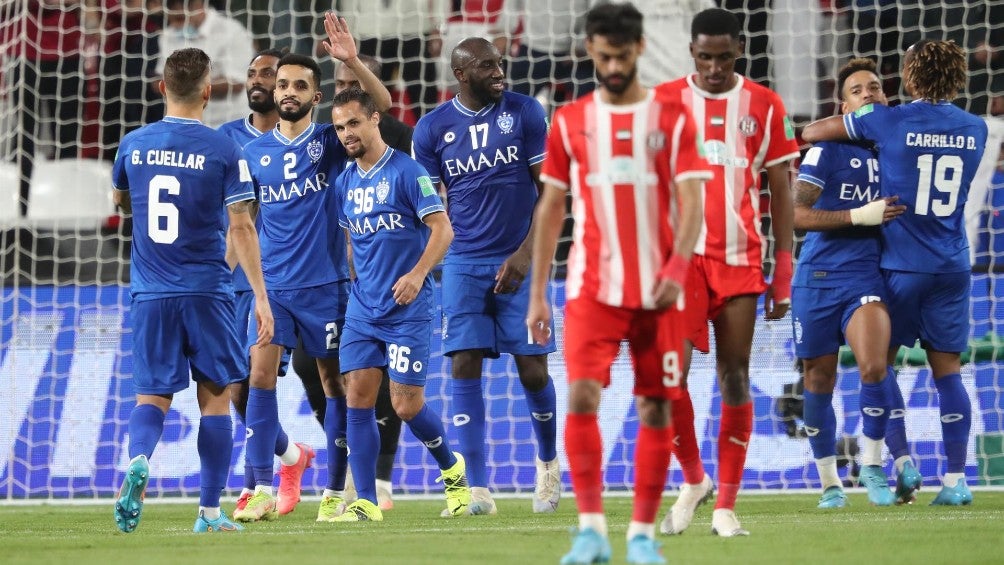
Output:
[[192, 23], [405, 35], [667, 41], [550, 52], [45, 41], [470, 18], [131, 49]]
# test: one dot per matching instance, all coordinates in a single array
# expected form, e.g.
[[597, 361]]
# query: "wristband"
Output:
[[675, 270], [782, 276], [870, 214]]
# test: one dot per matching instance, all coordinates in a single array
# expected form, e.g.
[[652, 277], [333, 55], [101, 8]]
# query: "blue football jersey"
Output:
[[243, 133], [180, 175], [848, 175], [928, 155], [483, 158], [300, 246], [382, 208]]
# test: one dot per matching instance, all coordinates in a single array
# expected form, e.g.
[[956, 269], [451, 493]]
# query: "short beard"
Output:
[[263, 106], [625, 84], [297, 114]]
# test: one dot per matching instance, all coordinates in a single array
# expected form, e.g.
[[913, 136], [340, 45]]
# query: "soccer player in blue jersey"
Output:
[[398, 231], [838, 294], [295, 457], [177, 176], [486, 146], [928, 153], [304, 262]]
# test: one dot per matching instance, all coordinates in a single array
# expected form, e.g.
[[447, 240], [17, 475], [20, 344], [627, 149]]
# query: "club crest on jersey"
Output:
[[382, 190], [747, 125], [656, 140], [314, 149], [265, 160], [505, 122]]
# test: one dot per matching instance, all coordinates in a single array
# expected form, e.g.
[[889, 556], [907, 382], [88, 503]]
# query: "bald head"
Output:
[[471, 49]]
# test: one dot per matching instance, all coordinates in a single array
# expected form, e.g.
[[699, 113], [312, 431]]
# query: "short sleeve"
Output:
[[534, 132], [783, 145], [423, 149], [237, 182], [557, 165], [690, 162], [812, 169], [867, 122], [120, 181]]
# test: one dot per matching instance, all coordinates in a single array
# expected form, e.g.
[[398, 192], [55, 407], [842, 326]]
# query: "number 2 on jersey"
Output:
[[945, 175]]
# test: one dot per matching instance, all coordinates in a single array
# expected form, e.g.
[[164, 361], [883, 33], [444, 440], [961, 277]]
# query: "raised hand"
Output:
[[340, 43]]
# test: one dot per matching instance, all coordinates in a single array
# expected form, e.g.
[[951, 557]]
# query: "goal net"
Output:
[[65, 339]]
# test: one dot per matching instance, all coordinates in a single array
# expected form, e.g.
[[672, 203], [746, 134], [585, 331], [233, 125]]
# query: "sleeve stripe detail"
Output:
[[810, 179], [431, 210], [537, 158], [239, 198]]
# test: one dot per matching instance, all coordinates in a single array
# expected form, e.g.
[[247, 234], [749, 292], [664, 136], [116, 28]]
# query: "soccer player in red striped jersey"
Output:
[[633, 164], [745, 131]]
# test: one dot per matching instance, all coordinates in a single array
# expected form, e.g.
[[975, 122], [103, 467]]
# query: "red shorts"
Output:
[[710, 284], [593, 335]]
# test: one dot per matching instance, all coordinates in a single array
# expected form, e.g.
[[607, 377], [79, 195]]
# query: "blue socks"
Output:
[[146, 425], [543, 418], [895, 430], [428, 428], [262, 424], [956, 420], [364, 437], [335, 413], [469, 421], [820, 424], [874, 410], [215, 445]]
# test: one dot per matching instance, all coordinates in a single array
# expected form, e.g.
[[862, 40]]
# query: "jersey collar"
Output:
[[467, 111], [377, 166], [299, 139]]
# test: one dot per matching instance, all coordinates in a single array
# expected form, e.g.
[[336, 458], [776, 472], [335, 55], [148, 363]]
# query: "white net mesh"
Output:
[[67, 95]]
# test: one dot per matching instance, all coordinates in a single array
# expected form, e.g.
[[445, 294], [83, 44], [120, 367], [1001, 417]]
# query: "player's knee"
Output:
[[872, 371]]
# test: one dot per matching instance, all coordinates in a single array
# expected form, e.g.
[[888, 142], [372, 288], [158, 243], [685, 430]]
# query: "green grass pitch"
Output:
[[786, 528]]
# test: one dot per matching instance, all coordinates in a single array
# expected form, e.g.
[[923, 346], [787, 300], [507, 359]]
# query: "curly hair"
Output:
[[853, 66], [937, 70]]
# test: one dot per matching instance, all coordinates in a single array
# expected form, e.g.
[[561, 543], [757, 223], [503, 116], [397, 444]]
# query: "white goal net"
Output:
[[70, 91]]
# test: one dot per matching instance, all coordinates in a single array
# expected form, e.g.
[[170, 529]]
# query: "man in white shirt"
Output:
[[192, 23]]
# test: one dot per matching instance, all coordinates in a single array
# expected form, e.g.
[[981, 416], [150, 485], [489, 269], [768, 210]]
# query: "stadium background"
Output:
[[65, 341]]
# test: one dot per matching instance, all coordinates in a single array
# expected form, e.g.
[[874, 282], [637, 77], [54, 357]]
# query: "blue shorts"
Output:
[[247, 326], [820, 314], [315, 315], [402, 347], [180, 336], [474, 317], [931, 307]]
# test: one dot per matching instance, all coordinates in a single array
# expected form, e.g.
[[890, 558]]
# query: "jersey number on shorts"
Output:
[[397, 356], [671, 373], [162, 217], [332, 337], [946, 176]]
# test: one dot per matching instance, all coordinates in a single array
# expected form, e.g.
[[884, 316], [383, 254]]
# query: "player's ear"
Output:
[[162, 87], [317, 97]]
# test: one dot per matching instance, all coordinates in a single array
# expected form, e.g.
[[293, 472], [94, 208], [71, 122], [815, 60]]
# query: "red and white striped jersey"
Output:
[[745, 130], [620, 163]]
